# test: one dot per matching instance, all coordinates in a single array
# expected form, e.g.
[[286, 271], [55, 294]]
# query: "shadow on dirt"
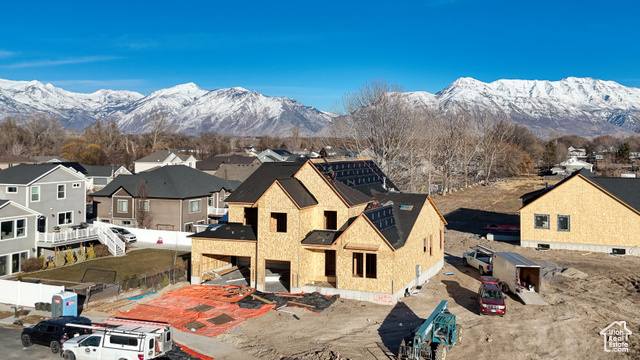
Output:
[[472, 220], [398, 325], [461, 295]]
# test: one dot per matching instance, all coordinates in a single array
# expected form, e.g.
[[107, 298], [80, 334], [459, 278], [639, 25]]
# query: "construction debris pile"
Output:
[[315, 302]]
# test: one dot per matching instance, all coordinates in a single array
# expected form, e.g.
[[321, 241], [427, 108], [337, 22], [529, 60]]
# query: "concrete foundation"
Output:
[[374, 297], [629, 250]]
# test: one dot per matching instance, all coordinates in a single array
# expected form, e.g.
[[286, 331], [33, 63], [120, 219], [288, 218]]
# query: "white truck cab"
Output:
[[120, 339]]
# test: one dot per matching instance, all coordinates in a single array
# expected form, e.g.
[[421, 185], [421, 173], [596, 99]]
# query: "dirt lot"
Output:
[[579, 307]]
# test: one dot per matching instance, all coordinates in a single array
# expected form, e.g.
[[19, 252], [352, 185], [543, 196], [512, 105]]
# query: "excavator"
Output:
[[434, 338]]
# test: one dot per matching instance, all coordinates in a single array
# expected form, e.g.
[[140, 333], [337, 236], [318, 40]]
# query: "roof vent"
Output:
[[406, 207]]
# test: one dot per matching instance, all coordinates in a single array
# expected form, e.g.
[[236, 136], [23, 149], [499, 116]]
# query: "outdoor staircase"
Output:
[[115, 244]]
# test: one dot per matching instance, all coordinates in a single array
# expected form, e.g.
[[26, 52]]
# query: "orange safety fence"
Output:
[[205, 310]]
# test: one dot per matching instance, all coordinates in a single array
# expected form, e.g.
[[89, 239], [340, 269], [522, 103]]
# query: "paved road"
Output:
[[12, 347]]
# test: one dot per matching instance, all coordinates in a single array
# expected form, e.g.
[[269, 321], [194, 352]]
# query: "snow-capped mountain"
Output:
[[186, 107], [580, 106]]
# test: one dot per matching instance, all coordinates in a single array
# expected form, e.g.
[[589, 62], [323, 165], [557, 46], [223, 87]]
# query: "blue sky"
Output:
[[315, 52]]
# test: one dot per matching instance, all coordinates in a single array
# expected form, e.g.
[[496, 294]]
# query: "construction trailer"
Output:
[[519, 276]]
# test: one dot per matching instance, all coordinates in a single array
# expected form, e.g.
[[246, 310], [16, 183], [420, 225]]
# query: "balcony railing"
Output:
[[66, 236], [217, 211]]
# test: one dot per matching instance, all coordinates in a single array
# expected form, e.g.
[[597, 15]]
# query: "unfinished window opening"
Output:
[[358, 264], [331, 220], [541, 221], [425, 245], [544, 246], [250, 216], [371, 262], [564, 222], [329, 263], [279, 222], [441, 239], [430, 245]]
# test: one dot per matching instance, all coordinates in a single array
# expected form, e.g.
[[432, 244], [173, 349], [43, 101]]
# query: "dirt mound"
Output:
[[574, 273], [551, 272], [324, 354]]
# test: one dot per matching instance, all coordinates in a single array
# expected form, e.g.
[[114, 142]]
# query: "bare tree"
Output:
[[144, 216], [376, 121], [159, 127], [496, 138], [44, 135]]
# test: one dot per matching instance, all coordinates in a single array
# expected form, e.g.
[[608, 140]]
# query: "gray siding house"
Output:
[[57, 192], [17, 236]]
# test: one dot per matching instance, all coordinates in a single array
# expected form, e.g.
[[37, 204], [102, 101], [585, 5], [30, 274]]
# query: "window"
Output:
[[65, 217], [188, 227], [123, 206], [76, 185], [544, 246], [35, 193], [21, 230], [617, 251], [279, 222], [7, 230], [371, 266], [441, 239], [541, 221], [194, 206], [12, 189], [425, 245], [358, 264], [210, 201], [3, 265], [144, 205], [61, 191], [564, 222], [331, 220], [430, 245], [123, 340]]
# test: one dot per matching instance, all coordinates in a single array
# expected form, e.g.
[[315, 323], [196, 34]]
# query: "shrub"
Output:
[[101, 250], [43, 262], [91, 252], [59, 259], [165, 282], [31, 264], [81, 255], [70, 257]]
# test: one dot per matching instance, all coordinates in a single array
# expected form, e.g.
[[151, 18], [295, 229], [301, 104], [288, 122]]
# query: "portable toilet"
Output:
[[64, 303]]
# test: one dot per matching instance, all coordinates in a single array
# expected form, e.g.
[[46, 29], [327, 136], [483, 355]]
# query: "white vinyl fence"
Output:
[[26, 294], [152, 236]]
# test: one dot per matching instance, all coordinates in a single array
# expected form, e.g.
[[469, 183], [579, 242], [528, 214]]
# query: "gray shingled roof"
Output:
[[298, 192], [170, 182], [405, 209], [24, 174], [351, 195], [156, 156], [228, 232], [256, 184], [321, 237], [3, 202], [214, 162]]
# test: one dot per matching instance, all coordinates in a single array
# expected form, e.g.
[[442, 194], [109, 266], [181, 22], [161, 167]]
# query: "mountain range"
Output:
[[580, 106]]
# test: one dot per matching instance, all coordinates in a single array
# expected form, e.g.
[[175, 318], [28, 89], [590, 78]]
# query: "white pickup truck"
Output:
[[122, 340], [481, 259]]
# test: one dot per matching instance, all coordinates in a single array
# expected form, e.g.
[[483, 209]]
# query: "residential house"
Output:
[[49, 159], [572, 164], [166, 198], [580, 153], [584, 212], [320, 227], [17, 236], [99, 176], [276, 155], [7, 161], [163, 158], [230, 166], [53, 190]]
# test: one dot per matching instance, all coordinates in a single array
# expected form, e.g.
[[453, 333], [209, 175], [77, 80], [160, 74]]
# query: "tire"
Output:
[[458, 335], [68, 355], [504, 287], [481, 270], [55, 347], [464, 262], [441, 352], [26, 340]]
